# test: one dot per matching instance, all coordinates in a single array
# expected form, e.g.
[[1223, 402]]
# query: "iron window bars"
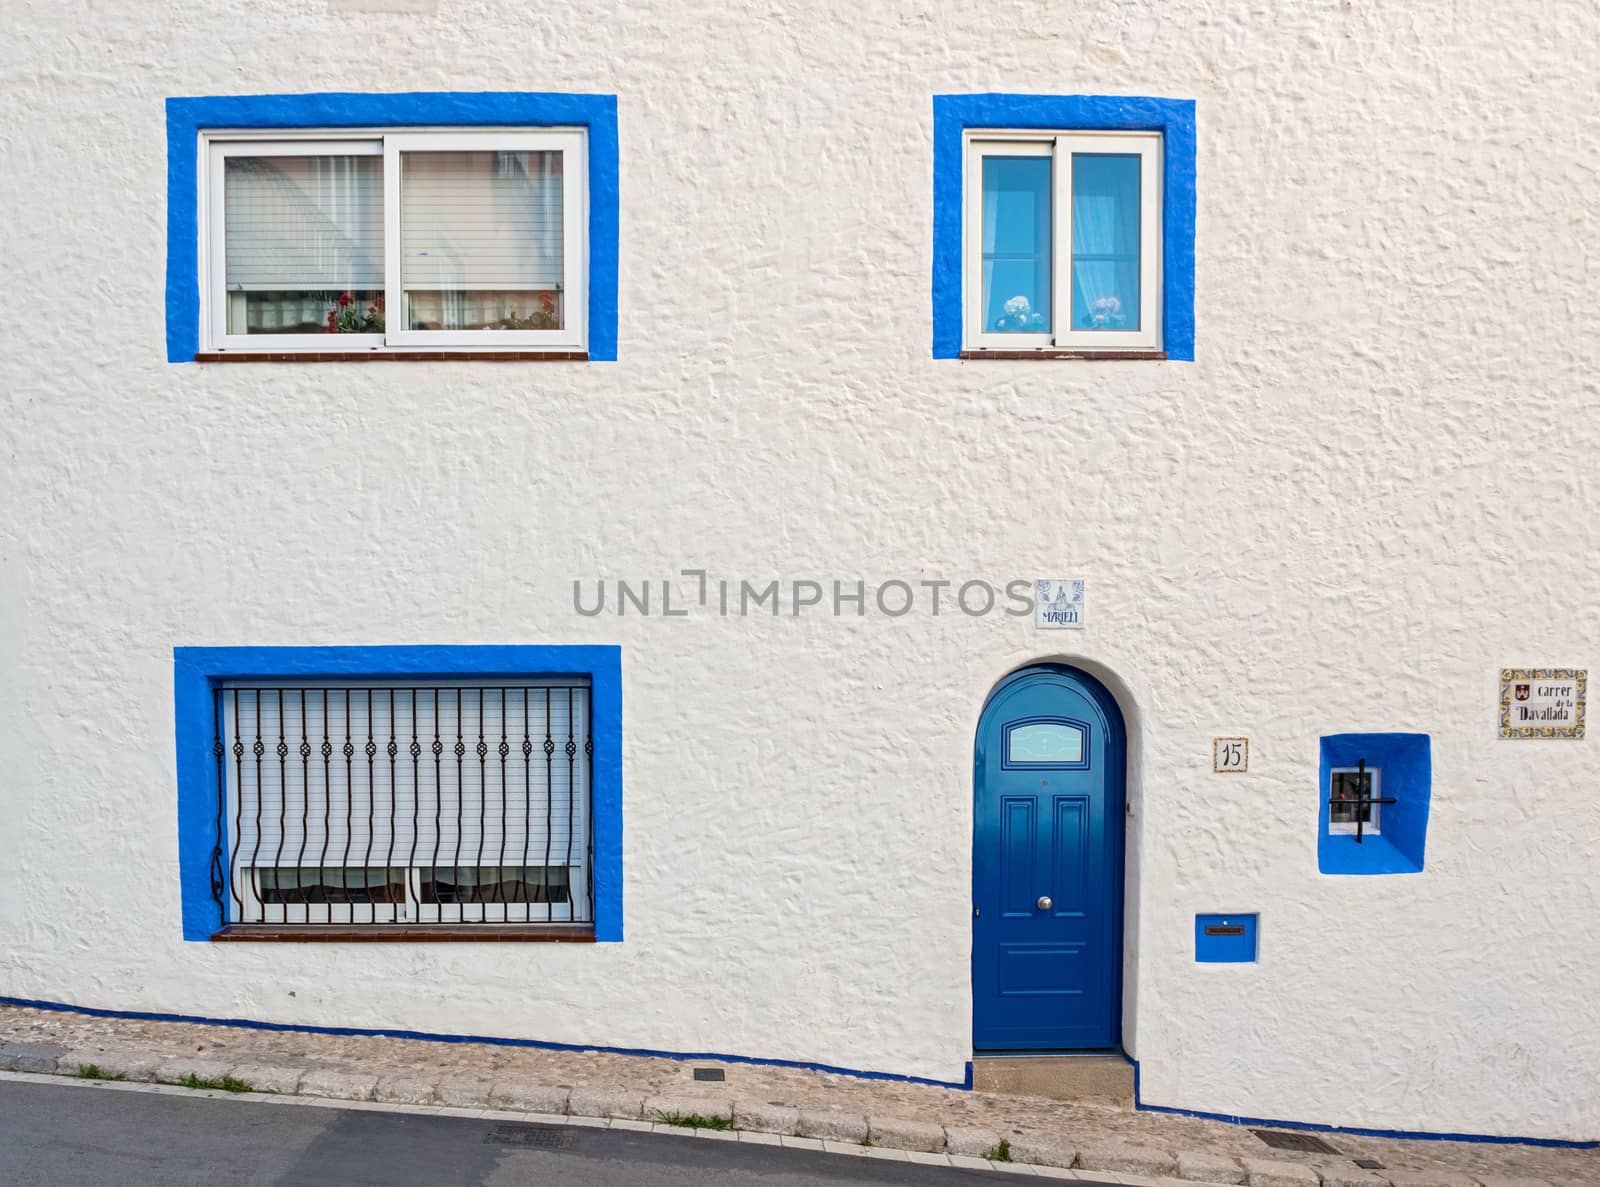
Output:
[[391, 804], [1350, 798]]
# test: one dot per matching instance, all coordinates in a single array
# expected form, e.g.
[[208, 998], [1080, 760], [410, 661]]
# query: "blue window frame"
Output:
[[1104, 257], [187, 118], [199, 671], [1394, 838]]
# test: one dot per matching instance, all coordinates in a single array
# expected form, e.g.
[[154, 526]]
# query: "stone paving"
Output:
[[841, 1111]]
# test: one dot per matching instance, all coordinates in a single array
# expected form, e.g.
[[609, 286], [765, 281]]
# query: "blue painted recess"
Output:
[[196, 671], [1173, 118], [188, 117], [1406, 763], [1048, 825], [1224, 939]]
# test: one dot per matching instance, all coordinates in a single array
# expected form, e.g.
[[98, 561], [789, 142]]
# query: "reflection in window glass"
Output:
[[480, 240], [1016, 244], [304, 238]]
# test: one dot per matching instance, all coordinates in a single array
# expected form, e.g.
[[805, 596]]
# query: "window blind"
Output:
[[481, 220], [296, 223], [407, 776]]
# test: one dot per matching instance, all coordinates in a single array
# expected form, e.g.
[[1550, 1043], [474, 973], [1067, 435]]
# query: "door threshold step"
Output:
[[1083, 1078]]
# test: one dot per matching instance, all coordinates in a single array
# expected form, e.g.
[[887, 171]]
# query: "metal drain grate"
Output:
[[713, 1074], [1280, 1140], [543, 1137]]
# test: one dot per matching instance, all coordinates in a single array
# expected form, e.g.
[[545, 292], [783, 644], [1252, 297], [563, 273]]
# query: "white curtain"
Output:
[[1105, 241]]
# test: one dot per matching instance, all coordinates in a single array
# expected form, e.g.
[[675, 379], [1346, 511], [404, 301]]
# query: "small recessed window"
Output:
[[1352, 801], [395, 241], [1063, 241]]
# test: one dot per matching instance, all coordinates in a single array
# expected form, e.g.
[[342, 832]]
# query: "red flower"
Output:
[[548, 300], [331, 327], [345, 299], [378, 304]]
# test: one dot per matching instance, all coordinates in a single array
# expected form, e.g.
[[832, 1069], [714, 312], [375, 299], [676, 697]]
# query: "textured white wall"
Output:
[[1373, 489]]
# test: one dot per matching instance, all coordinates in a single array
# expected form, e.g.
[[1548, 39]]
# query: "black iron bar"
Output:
[[349, 802], [461, 786], [527, 805], [393, 750], [504, 751], [219, 754], [258, 750], [588, 751], [483, 809], [572, 753], [327, 800], [283, 797], [549, 776], [305, 805], [416, 802], [238, 821], [438, 802]]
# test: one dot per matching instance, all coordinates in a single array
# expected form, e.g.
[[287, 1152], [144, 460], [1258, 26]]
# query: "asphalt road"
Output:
[[82, 1135]]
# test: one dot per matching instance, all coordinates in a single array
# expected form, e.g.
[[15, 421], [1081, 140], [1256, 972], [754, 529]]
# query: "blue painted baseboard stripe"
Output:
[[715, 1057], [1408, 1134], [491, 1040]]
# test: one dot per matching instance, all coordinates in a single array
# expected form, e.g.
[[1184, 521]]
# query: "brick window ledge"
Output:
[[537, 933], [1089, 356], [381, 356]]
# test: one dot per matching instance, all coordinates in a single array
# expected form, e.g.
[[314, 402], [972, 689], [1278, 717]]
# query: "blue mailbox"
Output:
[[1224, 939]]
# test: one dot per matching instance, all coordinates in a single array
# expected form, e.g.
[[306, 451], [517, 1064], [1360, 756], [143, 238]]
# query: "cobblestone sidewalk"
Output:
[[967, 1128]]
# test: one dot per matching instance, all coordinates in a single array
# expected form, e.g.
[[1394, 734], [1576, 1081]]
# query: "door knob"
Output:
[[1044, 902]]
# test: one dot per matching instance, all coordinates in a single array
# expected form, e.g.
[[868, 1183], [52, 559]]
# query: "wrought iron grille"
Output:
[[403, 803], [1350, 799]]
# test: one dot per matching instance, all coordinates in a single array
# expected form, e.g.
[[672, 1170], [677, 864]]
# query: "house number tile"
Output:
[[1230, 756]]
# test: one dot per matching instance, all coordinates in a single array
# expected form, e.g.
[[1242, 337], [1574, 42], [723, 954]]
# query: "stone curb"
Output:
[[1039, 1155]]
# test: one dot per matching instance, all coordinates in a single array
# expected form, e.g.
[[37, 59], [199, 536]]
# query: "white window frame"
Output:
[[1347, 828], [1059, 146], [216, 146]]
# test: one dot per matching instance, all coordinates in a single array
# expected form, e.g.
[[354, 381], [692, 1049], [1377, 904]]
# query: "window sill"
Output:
[[1088, 356], [396, 356], [535, 933]]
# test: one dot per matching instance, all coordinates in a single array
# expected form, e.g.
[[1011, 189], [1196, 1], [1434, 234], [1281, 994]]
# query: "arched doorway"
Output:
[[1049, 771]]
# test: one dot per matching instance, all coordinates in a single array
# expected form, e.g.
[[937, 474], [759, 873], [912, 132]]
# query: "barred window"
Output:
[[406, 803]]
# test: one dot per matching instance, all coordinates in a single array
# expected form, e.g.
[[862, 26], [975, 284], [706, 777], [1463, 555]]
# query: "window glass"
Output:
[[304, 244], [1045, 742], [1348, 796], [496, 884], [341, 884], [1105, 241], [1016, 244], [480, 240]]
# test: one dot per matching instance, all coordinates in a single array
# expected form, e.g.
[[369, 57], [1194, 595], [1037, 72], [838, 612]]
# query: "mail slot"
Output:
[[1224, 939]]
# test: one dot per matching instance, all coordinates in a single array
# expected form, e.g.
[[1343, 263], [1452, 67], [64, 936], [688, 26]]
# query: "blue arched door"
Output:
[[1047, 864]]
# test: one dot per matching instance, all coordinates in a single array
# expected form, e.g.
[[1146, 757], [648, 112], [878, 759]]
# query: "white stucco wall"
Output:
[[1372, 490]]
